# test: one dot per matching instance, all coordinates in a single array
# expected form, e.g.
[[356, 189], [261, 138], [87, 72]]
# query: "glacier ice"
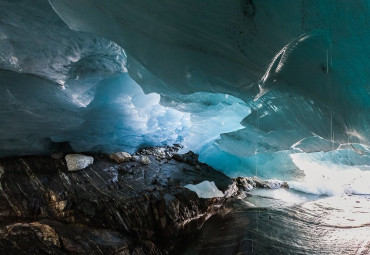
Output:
[[42, 117], [205, 189], [267, 88], [34, 40], [333, 173]]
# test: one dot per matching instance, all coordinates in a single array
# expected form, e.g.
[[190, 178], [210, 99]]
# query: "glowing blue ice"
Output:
[[255, 87]]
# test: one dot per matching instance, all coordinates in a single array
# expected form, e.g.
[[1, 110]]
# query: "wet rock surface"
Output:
[[106, 208]]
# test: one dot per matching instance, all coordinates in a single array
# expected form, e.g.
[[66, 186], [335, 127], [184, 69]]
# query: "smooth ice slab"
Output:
[[205, 189]]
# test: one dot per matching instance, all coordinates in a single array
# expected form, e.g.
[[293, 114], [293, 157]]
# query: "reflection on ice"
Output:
[[279, 197], [319, 225], [332, 173], [341, 211]]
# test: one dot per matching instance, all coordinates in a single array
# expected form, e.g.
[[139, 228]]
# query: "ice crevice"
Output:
[[249, 91]]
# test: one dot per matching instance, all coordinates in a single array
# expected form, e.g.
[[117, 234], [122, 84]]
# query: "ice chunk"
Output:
[[205, 189]]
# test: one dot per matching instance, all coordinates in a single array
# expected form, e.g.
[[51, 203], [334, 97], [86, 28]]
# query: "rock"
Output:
[[179, 146], [285, 185], [269, 184], [114, 208], [145, 160], [258, 182], [245, 184], [135, 158], [120, 157], [47, 233], [77, 162], [232, 190], [178, 157], [191, 158], [61, 205], [159, 153], [272, 184]]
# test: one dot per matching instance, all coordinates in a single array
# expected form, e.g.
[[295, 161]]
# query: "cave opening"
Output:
[[262, 103]]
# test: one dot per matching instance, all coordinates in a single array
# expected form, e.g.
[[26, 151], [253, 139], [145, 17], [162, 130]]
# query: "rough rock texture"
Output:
[[145, 160], [248, 183], [77, 162], [107, 208], [120, 157]]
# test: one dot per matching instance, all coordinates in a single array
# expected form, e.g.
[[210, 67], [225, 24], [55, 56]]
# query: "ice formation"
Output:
[[267, 88], [333, 173], [205, 189]]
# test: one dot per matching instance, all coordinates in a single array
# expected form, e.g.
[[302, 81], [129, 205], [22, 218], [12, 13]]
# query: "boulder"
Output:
[[77, 162], [120, 157], [145, 160]]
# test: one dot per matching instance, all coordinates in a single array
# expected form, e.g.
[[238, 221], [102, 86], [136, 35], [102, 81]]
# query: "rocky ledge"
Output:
[[133, 206], [117, 204]]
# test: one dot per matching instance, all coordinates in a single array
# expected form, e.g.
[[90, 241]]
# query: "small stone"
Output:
[[77, 162], [136, 158], [61, 205], [120, 157], [145, 160], [197, 167], [285, 185], [39, 235], [259, 183]]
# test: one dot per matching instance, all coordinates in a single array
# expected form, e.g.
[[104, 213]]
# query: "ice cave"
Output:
[[184, 127]]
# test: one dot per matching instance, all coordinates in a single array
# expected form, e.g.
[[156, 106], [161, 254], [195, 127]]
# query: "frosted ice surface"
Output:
[[205, 189]]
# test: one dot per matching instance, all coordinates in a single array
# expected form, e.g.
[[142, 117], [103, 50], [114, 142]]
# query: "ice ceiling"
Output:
[[255, 87]]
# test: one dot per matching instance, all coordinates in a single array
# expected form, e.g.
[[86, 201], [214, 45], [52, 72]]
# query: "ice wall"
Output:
[[63, 90], [312, 54], [246, 84]]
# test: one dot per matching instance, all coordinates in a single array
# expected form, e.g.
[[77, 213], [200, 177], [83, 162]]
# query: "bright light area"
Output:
[[205, 189], [325, 177]]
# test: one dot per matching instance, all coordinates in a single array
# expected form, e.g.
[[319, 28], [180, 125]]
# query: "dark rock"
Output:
[[178, 157], [191, 158], [108, 208], [248, 183]]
